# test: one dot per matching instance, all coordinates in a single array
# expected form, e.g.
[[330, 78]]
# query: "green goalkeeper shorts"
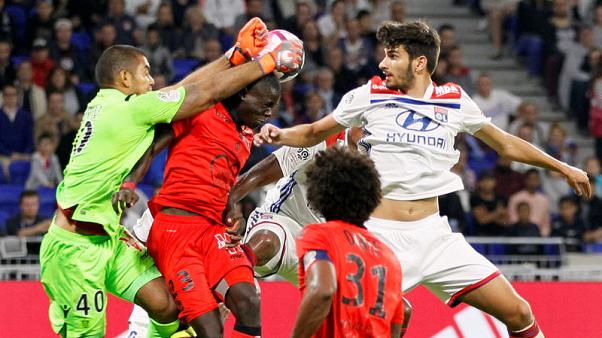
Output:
[[78, 270]]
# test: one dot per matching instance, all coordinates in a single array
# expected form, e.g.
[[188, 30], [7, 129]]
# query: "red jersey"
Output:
[[368, 297], [203, 162]]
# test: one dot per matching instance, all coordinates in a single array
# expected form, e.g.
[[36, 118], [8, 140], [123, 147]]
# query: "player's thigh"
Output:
[[284, 262], [73, 269], [454, 268], [241, 295]]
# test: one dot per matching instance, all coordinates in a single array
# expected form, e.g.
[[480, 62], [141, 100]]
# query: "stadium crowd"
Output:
[[48, 50]]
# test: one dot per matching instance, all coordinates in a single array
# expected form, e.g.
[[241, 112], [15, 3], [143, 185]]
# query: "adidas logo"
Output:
[[472, 323]]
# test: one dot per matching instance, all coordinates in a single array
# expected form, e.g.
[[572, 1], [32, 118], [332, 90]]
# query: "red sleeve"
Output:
[[180, 126], [313, 237], [398, 315]]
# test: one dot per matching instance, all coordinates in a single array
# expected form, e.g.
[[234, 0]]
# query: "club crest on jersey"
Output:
[[170, 96], [440, 114], [411, 120]]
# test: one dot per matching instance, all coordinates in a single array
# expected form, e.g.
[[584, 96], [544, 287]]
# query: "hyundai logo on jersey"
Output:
[[410, 120]]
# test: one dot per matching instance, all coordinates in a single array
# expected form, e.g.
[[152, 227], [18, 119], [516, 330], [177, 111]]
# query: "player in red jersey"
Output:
[[350, 280], [188, 240]]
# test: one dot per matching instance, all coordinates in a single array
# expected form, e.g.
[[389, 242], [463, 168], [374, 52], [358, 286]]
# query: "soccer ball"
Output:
[[275, 37]]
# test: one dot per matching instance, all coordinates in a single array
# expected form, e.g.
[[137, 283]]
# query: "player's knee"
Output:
[[163, 308], [244, 302], [265, 245]]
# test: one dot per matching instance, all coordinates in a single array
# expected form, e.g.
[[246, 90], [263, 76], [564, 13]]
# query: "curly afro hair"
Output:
[[343, 185]]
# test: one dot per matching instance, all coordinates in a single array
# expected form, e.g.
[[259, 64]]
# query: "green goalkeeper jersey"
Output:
[[115, 132]]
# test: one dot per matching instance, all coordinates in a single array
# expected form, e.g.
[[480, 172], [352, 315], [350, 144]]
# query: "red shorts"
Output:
[[191, 253]]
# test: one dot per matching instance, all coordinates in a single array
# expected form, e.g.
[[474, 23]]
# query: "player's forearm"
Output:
[[204, 93], [302, 135], [217, 66], [263, 173], [520, 150], [314, 308]]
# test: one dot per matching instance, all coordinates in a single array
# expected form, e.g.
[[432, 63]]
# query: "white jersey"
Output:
[[411, 141], [289, 196]]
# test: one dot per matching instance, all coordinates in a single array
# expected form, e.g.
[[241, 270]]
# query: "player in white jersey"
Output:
[[410, 124]]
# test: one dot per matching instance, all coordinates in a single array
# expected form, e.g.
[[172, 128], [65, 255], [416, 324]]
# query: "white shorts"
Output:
[[285, 263], [432, 255], [138, 323]]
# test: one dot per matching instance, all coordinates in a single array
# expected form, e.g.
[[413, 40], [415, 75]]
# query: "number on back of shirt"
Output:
[[86, 304], [379, 272]]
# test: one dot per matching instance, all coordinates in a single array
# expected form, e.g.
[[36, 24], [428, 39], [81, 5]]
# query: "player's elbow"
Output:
[[322, 294]]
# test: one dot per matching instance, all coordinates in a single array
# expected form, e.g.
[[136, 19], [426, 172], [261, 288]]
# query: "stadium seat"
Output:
[[19, 171], [183, 67], [9, 198], [594, 247], [47, 201], [87, 88], [81, 40]]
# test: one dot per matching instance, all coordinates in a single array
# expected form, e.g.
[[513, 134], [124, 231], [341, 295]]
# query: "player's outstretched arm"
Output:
[[302, 135], [516, 149], [320, 287]]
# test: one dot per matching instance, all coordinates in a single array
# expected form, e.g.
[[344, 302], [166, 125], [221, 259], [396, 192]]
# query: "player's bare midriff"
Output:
[[406, 211]]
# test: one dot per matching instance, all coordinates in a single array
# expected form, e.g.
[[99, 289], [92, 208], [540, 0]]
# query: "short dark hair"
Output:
[[532, 171], [343, 185], [446, 27], [28, 193], [568, 199], [268, 82], [113, 60], [362, 13], [416, 37], [45, 135]]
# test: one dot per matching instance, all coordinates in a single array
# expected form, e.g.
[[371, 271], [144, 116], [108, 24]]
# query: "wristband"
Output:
[[128, 185]]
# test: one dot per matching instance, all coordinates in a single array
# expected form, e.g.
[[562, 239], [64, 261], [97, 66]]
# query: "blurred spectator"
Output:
[[528, 114], [526, 133], [461, 168], [332, 25], [124, 24], [41, 63], [144, 11], [16, 130], [371, 69], [591, 165], [559, 146], [179, 8], [364, 18], [356, 49], [498, 104], [41, 24], [212, 50], [28, 222], [380, 11], [284, 116], [324, 88], [159, 56], [314, 109], [7, 68], [196, 32], [254, 8], [447, 34], [498, 16], [65, 53], [344, 78], [488, 210], [595, 110], [398, 11], [457, 71], [594, 219], [30, 96], [531, 15], [63, 150], [597, 27], [223, 13], [507, 180], [558, 33], [45, 167], [440, 73], [569, 223], [313, 45], [554, 185], [104, 38], [6, 25], [56, 121], [296, 23], [571, 67], [169, 32], [353, 7], [523, 228], [160, 82], [59, 81], [539, 203]]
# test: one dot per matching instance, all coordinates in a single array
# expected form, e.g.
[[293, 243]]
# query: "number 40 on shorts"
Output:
[[87, 303]]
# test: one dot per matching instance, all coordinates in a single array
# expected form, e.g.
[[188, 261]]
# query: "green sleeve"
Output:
[[157, 106]]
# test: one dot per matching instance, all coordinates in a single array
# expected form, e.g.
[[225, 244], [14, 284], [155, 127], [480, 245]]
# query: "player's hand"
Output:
[[123, 199], [286, 57], [578, 180], [253, 36], [235, 223], [269, 133]]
